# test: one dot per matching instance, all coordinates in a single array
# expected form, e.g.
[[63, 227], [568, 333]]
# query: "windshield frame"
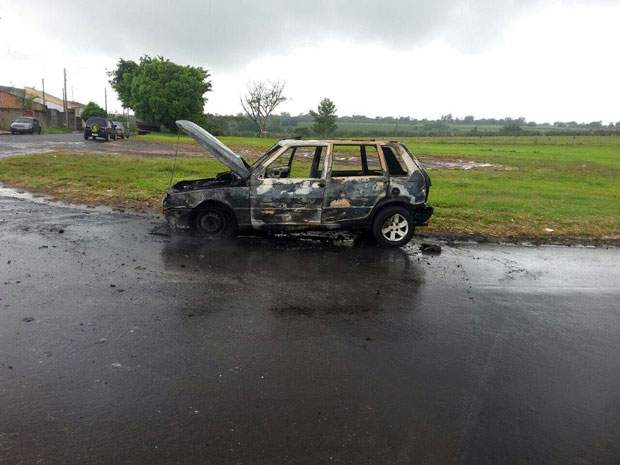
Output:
[[274, 148]]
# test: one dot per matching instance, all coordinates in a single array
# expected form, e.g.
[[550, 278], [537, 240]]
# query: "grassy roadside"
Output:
[[569, 185], [136, 183]]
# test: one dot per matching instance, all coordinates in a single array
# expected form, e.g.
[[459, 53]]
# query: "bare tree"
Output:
[[260, 101]]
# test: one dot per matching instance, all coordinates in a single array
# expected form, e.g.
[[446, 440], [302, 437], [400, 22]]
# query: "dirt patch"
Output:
[[459, 164]]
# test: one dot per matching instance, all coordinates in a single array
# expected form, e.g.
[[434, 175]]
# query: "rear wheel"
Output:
[[215, 223], [85, 136], [393, 227]]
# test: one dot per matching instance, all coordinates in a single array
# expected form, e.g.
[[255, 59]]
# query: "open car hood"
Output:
[[215, 147]]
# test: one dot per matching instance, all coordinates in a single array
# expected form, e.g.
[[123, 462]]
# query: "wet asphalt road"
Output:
[[23, 144], [26, 144], [121, 345]]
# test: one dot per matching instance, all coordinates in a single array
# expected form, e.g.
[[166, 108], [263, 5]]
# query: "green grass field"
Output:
[[570, 185], [240, 143]]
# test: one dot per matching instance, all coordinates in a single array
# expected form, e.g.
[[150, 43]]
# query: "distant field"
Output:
[[570, 185], [397, 130]]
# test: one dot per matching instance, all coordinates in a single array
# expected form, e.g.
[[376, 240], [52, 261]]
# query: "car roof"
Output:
[[117, 122], [301, 142]]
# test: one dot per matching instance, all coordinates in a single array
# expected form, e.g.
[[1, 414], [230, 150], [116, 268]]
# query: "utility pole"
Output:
[[64, 100], [47, 121], [105, 93]]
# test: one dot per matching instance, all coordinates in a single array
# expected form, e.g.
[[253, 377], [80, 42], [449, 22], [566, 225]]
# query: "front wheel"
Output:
[[393, 227], [215, 223]]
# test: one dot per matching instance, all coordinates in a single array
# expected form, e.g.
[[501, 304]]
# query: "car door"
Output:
[[288, 190], [355, 182]]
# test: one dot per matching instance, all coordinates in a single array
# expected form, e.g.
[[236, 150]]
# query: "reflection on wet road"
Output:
[[120, 343]]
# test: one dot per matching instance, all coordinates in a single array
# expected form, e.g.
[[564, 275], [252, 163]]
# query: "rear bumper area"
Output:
[[422, 213], [102, 134], [178, 218]]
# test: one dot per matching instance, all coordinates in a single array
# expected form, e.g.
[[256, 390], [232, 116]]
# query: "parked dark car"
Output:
[[305, 185], [97, 126], [121, 130], [26, 124]]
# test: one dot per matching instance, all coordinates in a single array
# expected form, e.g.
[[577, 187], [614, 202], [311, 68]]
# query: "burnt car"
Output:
[[301, 185], [97, 126]]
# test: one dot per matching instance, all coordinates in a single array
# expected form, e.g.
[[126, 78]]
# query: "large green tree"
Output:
[[324, 118], [160, 91], [121, 80], [92, 109]]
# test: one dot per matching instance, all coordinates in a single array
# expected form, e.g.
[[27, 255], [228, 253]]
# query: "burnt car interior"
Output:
[[346, 162], [349, 161], [395, 164], [293, 163]]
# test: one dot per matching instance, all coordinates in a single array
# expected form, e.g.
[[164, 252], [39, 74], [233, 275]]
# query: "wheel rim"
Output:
[[211, 223], [395, 228]]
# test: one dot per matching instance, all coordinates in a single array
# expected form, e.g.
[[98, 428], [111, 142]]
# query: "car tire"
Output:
[[39, 131], [85, 136], [215, 223], [13, 132], [393, 226]]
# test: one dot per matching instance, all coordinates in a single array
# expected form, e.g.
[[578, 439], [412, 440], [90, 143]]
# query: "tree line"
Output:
[[161, 92]]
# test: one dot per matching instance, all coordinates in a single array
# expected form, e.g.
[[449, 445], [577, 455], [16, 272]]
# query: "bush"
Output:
[[92, 109]]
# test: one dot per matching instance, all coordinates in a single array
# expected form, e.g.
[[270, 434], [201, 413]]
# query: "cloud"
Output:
[[228, 34]]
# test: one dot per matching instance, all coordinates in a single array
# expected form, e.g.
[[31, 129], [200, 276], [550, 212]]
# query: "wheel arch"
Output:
[[210, 203], [392, 202], [215, 204]]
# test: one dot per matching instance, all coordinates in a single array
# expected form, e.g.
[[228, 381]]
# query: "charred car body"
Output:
[[305, 185]]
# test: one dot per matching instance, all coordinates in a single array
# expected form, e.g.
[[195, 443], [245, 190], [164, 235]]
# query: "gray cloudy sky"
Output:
[[541, 59]]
